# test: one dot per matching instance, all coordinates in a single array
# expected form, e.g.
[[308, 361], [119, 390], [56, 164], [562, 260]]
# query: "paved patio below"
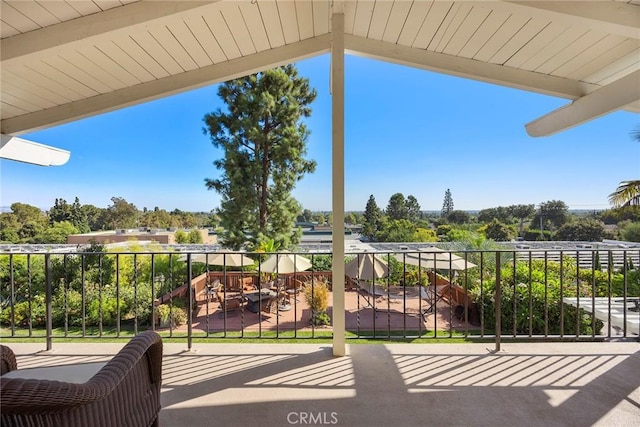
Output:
[[545, 384]]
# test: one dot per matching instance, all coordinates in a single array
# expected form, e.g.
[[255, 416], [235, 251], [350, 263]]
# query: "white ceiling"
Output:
[[63, 60]]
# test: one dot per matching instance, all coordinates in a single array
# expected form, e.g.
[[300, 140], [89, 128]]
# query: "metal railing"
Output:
[[493, 295]]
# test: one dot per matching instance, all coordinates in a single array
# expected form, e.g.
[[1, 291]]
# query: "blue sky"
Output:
[[407, 130]]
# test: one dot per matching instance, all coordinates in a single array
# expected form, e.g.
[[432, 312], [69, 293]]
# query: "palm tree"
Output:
[[628, 192]]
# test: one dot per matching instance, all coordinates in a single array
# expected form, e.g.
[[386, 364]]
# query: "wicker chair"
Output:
[[125, 392]]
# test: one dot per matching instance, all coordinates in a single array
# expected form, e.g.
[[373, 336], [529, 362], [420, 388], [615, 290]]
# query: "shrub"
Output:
[[317, 296], [177, 314], [527, 293]]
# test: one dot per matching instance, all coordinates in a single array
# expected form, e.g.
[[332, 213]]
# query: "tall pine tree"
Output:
[[372, 216], [447, 204], [264, 143]]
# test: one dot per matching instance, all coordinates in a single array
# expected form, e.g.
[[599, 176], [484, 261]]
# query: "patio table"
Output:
[[255, 298]]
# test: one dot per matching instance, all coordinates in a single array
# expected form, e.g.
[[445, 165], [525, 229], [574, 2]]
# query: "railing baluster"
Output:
[[498, 302], [48, 298]]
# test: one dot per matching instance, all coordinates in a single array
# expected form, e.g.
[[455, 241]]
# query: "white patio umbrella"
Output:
[[285, 263], [435, 259], [366, 267], [229, 259]]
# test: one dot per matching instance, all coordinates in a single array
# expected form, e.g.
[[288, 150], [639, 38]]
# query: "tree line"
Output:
[[29, 224], [402, 221]]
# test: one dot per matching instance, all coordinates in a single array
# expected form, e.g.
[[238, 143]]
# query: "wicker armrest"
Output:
[[7, 360], [124, 392]]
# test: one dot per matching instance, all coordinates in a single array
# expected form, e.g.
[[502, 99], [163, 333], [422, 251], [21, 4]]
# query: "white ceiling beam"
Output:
[[467, 68], [611, 97], [22, 150], [605, 16], [82, 31], [166, 86]]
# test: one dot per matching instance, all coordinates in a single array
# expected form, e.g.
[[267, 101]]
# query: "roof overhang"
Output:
[[71, 60], [22, 150]]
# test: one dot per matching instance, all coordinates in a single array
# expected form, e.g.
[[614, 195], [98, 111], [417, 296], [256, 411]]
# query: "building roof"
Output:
[[64, 60]]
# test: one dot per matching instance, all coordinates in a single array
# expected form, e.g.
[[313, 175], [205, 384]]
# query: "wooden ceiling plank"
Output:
[[150, 45], [7, 110], [60, 9], [84, 8], [417, 14], [458, 14], [609, 56], [201, 31], [222, 34], [364, 12], [30, 86], [321, 12], [431, 24], [603, 16], [165, 38], [103, 61], [349, 14], [271, 22], [107, 4], [464, 67], [289, 19], [62, 78], [115, 52], [36, 78], [164, 87], [93, 69], [604, 74], [518, 30], [253, 21], [146, 61], [379, 19], [551, 49], [77, 73], [22, 104], [489, 27], [7, 30], [18, 20], [22, 93], [600, 48], [446, 28], [189, 43], [606, 99], [620, 74], [235, 21], [467, 29], [397, 19], [90, 29], [539, 42], [304, 15], [35, 12], [584, 43]]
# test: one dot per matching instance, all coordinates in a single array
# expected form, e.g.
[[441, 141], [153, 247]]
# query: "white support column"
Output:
[[337, 101]]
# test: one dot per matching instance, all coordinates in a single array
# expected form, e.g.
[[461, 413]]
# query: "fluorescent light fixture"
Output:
[[22, 150]]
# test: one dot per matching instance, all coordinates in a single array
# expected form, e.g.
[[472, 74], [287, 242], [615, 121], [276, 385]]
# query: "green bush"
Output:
[[22, 313], [533, 234], [527, 293], [177, 314], [317, 295]]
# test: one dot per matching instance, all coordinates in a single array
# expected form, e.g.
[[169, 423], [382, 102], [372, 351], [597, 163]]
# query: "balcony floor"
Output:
[[546, 384]]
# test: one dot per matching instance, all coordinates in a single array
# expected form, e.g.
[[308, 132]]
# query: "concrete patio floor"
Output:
[[531, 384]]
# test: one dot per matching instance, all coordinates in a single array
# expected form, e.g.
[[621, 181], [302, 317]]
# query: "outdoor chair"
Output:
[[246, 284], [295, 289], [230, 302], [124, 392], [431, 297], [269, 305]]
